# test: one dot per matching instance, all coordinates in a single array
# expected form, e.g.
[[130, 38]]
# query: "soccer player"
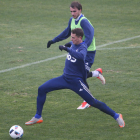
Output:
[[74, 78], [79, 21]]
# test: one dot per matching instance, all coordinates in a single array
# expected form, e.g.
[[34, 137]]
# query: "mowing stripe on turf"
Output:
[[52, 58]]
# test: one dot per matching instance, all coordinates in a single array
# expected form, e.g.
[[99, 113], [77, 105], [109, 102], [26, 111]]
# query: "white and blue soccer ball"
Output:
[[16, 132]]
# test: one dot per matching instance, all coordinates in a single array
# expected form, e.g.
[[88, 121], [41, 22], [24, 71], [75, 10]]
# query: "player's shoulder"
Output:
[[84, 19], [85, 23], [83, 45], [70, 18]]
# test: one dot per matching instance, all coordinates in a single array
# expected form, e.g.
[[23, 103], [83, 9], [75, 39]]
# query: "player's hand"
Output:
[[62, 47], [49, 43], [68, 44]]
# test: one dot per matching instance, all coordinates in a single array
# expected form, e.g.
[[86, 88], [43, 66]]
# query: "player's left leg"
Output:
[[82, 90]]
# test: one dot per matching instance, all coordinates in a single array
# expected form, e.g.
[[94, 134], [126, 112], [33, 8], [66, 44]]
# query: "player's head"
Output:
[[77, 35], [75, 9]]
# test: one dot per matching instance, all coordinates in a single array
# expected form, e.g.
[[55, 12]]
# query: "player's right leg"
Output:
[[88, 63], [96, 73], [50, 85]]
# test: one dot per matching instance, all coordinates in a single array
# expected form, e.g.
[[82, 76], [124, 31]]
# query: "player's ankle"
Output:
[[37, 116]]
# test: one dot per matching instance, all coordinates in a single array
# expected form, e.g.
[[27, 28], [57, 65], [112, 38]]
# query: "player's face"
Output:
[[75, 12], [75, 39]]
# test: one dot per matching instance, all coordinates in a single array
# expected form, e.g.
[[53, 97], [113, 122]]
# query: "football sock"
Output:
[[37, 116], [95, 73], [116, 116], [89, 74]]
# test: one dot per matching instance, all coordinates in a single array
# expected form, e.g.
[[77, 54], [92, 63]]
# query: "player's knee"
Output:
[[40, 89]]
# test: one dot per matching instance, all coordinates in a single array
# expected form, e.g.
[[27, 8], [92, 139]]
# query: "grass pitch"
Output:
[[25, 28]]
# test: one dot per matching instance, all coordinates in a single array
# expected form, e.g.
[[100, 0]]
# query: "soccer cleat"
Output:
[[34, 121], [84, 105], [100, 70], [100, 75], [120, 121]]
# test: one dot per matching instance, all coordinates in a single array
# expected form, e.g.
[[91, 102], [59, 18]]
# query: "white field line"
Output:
[[119, 41], [53, 58], [118, 48], [29, 64]]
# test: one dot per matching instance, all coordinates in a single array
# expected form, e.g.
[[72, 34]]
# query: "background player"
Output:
[[79, 21]]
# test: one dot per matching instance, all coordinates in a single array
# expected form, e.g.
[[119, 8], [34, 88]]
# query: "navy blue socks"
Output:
[[116, 116], [37, 116]]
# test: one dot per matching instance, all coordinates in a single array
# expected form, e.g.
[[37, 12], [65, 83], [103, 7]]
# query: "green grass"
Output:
[[25, 28]]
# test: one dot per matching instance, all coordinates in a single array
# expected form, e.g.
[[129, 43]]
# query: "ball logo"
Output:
[[72, 59], [17, 133]]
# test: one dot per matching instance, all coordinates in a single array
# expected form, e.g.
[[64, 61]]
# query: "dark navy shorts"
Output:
[[75, 84], [89, 59]]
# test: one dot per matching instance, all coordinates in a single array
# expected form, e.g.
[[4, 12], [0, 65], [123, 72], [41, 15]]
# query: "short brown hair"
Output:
[[78, 31], [76, 4]]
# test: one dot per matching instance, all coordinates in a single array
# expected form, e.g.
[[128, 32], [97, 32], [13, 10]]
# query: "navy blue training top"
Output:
[[75, 61]]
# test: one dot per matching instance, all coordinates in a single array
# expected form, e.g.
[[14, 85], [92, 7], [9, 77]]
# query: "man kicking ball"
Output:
[[73, 78]]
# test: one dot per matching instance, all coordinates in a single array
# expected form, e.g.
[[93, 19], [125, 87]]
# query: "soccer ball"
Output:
[[16, 132]]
